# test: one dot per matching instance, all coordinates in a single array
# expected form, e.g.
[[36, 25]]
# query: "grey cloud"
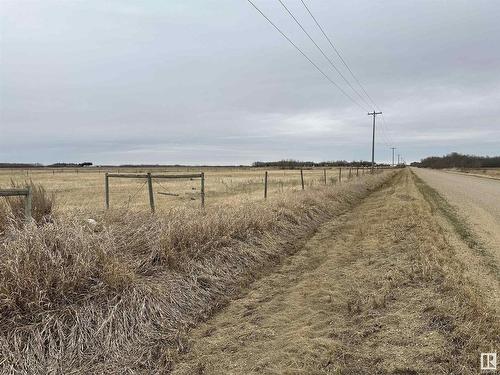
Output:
[[211, 81]]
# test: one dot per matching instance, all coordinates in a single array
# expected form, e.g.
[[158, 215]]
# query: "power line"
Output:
[[374, 113], [389, 135], [322, 52], [385, 131], [307, 57], [344, 62], [338, 53], [385, 134]]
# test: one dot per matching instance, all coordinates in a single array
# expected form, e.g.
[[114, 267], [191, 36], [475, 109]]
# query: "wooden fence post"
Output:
[[27, 204], [106, 189], [340, 175], [324, 175], [150, 189], [302, 178], [265, 185], [357, 171], [350, 168], [202, 190]]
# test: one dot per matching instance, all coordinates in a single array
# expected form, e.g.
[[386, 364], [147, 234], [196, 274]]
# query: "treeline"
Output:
[[21, 165], [38, 165], [71, 165], [456, 160], [296, 164]]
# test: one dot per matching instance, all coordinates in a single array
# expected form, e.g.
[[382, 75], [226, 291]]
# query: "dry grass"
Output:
[[378, 290], [85, 189], [468, 324], [12, 208], [113, 297], [486, 172]]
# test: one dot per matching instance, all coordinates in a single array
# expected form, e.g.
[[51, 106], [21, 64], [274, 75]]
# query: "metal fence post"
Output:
[[340, 175], [150, 189]]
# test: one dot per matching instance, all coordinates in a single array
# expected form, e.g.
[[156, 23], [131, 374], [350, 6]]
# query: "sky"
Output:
[[212, 82]]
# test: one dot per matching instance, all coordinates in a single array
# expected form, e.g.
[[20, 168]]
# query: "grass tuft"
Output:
[[12, 209]]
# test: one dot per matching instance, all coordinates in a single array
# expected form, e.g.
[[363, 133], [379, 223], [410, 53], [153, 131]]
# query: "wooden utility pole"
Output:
[[374, 114], [393, 148]]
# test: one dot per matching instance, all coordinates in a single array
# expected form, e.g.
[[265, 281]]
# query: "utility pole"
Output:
[[393, 148], [374, 114]]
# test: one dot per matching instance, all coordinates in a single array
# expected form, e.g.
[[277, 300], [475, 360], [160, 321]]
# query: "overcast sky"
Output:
[[211, 82]]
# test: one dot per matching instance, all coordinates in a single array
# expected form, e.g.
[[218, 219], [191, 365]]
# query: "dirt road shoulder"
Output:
[[377, 290]]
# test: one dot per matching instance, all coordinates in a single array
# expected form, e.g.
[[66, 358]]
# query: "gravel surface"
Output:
[[477, 199]]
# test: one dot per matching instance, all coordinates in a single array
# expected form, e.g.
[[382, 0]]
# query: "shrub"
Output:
[[41, 205]]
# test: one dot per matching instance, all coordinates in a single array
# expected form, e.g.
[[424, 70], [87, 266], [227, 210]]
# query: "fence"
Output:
[[28, 197], [150, 178], [350, 174]]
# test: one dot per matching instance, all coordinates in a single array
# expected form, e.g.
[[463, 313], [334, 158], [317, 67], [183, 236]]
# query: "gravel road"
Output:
[[477, 199]]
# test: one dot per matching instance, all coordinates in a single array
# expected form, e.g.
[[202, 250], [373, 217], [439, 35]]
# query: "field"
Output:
[[377, 274], [84, 188]]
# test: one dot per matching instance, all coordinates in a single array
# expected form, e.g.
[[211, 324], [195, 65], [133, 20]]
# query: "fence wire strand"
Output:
[[130, 197]]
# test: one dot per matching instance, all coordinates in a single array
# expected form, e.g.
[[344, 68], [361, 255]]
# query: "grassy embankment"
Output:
[[117, 296]]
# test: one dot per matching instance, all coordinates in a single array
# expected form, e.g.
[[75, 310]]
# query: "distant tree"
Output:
[[456, 160], [20, 165], [296, 164]]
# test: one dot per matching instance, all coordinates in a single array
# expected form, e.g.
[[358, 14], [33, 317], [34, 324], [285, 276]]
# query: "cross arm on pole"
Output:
[[374, 114]]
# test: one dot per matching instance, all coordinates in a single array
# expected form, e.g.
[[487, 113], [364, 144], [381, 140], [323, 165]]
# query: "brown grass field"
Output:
[[370, 276], [84, 188]]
